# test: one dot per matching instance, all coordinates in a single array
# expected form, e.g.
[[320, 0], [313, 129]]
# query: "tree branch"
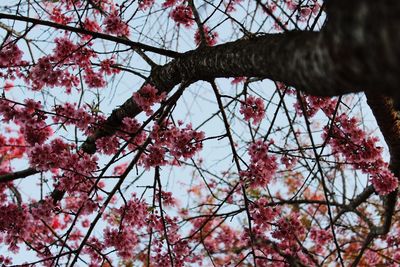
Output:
[[97, 35], [388, 120], [17, 175]]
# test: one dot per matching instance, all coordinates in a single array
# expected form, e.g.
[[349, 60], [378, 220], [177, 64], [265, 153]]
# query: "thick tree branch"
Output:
[[17, 175], [364, 44]]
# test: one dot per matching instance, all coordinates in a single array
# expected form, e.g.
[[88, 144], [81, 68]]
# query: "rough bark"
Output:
[[364, 40]]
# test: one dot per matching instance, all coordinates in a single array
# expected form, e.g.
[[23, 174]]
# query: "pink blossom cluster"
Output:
[[32, 123], [9, 111], [69, 113], [170, 3], [47, 156], [77, 167], [183, 254], [57, 15], [361, 151], [155, 157], [45, 73], [289, 228], [320, 236], [184, 142], [94, 79], [29, 117], [90, 25], [77, 198], [124, 241], [77, 177], [36, 133], [180, 249], [178, 142], [14, 219], [120, 169], [262, 166], [23, 223], [304, 11], [211, 37], [145, 4], [224, 238], [42, 210], [262, 214], [288, 161], [67, 52], [168, 199], [4, 260], [11, 60], [353, 143], [107, 67], [147, 96], [183, 15], [127, 222], [384, 181], [108, 145], [291, 4], [313, 104], [93, 250], [49, 72], [10, 148], [253, 108], [131, 132], [10, 55], [115, 25], [49, 69]]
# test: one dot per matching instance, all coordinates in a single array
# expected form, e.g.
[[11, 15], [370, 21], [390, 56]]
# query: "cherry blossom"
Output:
[[145, 4], [114, 25], [262, 167], [183, 15], [253, 108], [148, 96]]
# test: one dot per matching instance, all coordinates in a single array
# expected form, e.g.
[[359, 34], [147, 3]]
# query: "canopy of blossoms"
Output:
[[119, 145]]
